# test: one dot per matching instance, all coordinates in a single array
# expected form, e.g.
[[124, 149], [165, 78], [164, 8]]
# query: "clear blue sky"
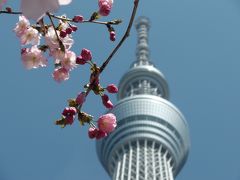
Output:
[[194, 43]]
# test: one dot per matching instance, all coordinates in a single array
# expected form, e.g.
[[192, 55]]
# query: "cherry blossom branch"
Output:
[[65, 60], [113, 22], [98, 70], [10, 12], [103, 66]]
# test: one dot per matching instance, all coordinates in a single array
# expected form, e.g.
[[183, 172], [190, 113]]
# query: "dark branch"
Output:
[[123, 38]]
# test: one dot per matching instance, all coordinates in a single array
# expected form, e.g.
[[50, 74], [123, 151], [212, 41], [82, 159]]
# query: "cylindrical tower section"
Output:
[[150, 123]]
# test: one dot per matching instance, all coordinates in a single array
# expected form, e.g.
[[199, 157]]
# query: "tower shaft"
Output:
[[143, 160]]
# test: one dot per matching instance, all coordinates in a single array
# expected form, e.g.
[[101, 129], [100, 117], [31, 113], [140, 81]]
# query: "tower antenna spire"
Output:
[[142, 51]]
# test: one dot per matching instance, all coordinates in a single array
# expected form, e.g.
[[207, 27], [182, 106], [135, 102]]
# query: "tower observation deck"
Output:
[[151, 141]]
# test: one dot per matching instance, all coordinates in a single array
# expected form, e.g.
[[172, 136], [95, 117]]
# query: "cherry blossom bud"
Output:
[[100, 134], [111, 88], [69, 119], [78, 19], [74, 28], [8, 9], [107, 123], [112, 36], [92, 132], [80, 60], [81, 98], [24, 50], [105, 7], [86, 54], [106, 102], [69, 111], [105, 98], [63, 34], [69, 30]]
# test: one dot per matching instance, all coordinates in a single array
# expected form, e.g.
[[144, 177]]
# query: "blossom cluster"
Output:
[[57, 40], [105, 124], [42, 41]]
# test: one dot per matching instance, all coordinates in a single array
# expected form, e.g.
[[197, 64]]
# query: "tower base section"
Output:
[[142, 160]]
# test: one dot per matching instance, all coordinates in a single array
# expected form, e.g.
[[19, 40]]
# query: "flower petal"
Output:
[[64, 2], [36, 9]]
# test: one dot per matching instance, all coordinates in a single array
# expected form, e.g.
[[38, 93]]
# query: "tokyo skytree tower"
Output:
[[151, 141]]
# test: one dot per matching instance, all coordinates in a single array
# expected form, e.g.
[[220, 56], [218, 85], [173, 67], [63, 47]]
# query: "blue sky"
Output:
[[194, 43]]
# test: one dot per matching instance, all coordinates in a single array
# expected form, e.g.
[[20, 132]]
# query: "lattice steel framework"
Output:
[[142, 159], [151, 141]]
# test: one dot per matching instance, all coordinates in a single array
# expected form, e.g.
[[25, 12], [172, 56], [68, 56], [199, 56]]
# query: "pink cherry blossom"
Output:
[[52, 41], [111, 88], [64, 2], [107, 123], [36, 9], [21, 26], [81, 98], [33, 58], [60, 74], [105, 7], [30, 36], [57, 54], [96, 133], [69, 60]]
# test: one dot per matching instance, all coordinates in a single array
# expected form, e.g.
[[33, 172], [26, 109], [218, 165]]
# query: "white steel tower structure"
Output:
[[151, 141]]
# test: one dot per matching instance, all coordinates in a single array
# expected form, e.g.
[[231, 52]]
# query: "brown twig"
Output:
[[113, 22], [9, 12], [59, 40], [98, 70], [104, 65]]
